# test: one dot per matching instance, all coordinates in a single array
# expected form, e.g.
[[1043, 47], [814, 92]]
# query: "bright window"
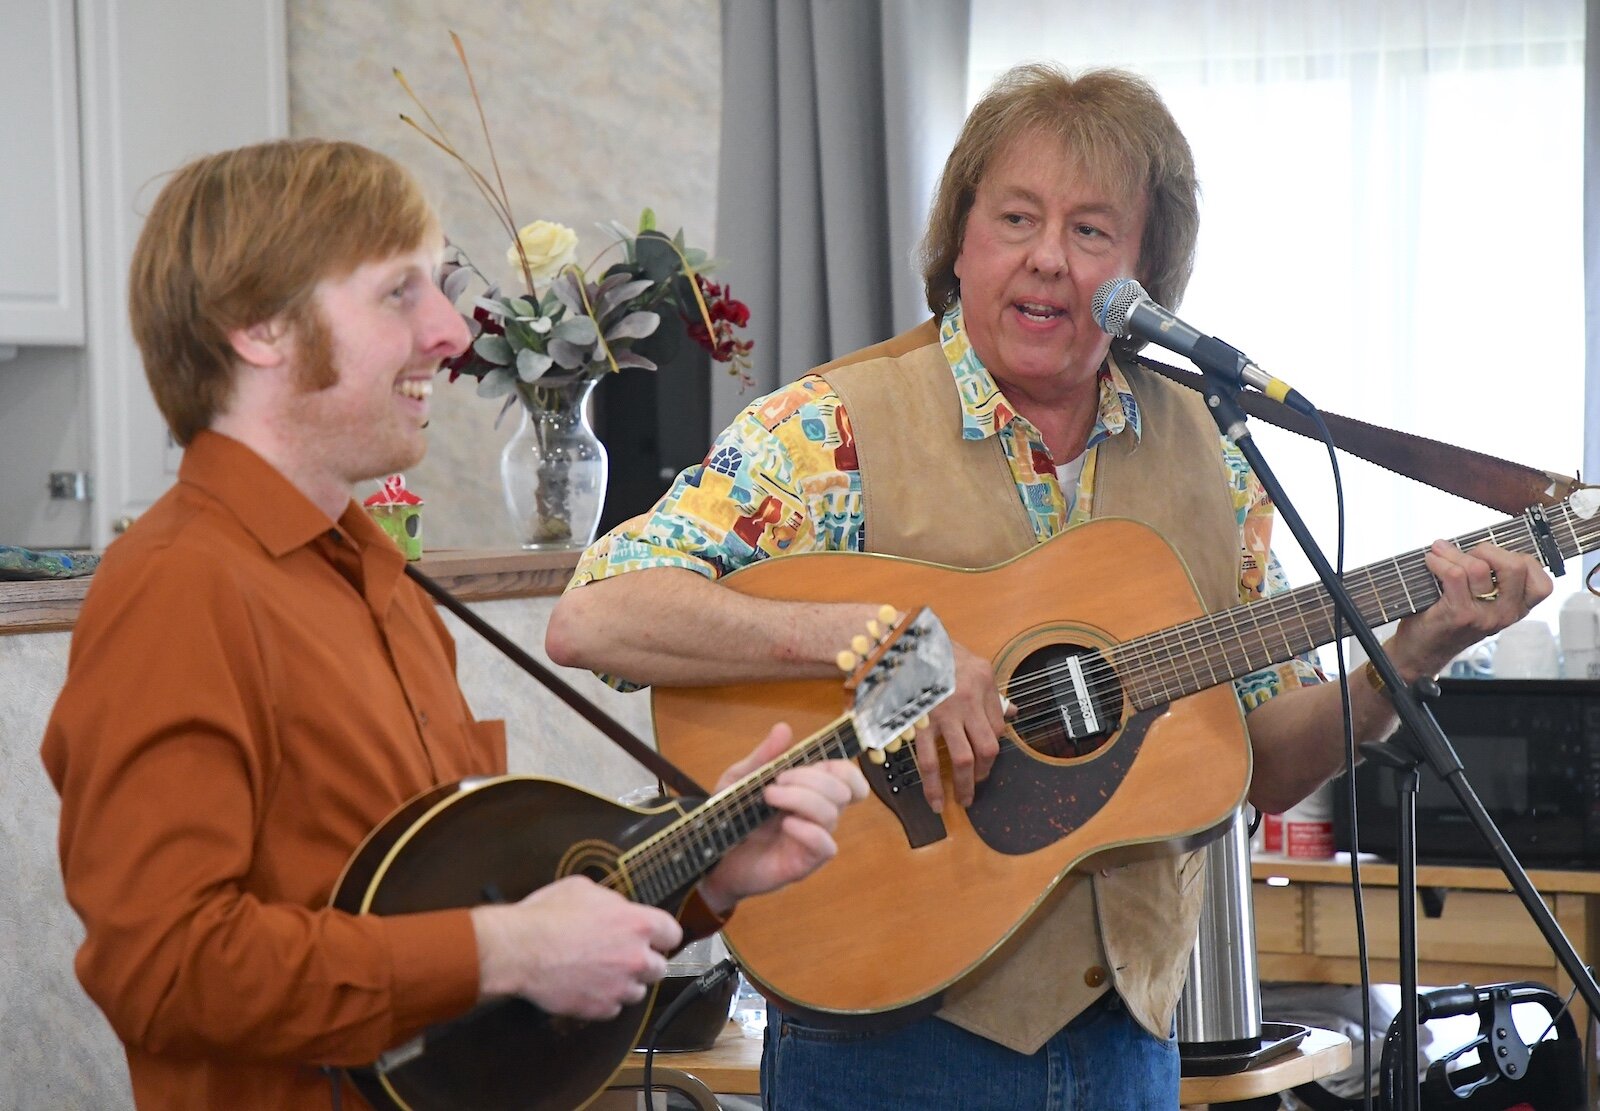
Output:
[[1391, 221]]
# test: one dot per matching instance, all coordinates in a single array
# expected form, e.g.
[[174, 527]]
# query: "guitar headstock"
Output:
[[899, 678]]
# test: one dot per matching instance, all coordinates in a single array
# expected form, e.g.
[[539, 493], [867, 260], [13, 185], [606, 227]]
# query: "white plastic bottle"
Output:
[[1580, 636]]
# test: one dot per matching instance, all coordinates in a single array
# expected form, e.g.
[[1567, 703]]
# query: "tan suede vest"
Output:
[[931, 495]]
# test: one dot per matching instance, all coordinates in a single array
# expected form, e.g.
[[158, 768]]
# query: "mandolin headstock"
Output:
[[899, 678]]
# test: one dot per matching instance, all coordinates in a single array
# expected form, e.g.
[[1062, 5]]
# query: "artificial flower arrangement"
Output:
[[562, 325]]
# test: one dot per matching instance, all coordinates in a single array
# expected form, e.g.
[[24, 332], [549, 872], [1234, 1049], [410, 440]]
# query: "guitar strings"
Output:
[[1265, 634], [1263, 626], [1266, 625], [1400, 582]]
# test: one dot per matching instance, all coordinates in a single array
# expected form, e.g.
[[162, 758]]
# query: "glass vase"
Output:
[[554, 469]]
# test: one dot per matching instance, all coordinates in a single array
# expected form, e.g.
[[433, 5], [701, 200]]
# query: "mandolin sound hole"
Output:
[[1068, 699], [594, 860]]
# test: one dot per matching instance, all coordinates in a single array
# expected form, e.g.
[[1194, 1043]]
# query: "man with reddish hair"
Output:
[[254, 684]]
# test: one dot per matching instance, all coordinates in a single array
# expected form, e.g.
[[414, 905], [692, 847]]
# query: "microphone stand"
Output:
[[1221, 393]]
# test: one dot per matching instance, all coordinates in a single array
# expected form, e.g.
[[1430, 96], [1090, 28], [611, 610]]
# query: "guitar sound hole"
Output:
[[1068, 699]]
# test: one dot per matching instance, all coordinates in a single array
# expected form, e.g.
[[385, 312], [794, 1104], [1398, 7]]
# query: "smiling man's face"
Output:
[[385, 328]]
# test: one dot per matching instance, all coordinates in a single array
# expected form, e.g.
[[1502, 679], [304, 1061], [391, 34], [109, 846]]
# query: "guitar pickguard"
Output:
[[1028, 803]]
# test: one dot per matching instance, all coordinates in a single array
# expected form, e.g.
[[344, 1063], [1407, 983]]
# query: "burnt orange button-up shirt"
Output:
[[252, 688]]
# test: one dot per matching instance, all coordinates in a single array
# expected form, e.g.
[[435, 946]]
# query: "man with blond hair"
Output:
[[1003, 421], [254, 684]]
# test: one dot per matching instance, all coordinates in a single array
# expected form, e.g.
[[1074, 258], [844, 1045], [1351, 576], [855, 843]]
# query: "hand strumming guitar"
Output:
[[969, 724]]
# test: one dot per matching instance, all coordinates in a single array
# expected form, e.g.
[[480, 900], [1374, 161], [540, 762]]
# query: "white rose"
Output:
[[548, 247]]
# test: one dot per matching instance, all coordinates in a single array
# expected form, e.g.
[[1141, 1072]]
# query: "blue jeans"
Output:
[[1100, 1061]]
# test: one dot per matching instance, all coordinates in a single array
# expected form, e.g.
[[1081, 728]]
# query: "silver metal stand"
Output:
[[1220, 1010]]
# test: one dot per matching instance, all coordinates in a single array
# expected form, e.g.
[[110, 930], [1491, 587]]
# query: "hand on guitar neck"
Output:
[[1298, 737], [1481, 591]]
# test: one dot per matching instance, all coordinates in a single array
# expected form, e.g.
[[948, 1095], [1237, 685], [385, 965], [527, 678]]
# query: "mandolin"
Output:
[[1128, 742], [498, 839]]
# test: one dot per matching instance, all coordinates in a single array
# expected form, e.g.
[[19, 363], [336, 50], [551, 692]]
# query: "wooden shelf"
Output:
[[1475, 931], [1457, 877], [479, 575], [473, 575], [40, 607]]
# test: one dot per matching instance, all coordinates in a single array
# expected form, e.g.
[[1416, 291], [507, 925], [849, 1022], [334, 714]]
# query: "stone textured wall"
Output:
[[55, 1048], [598, 108]]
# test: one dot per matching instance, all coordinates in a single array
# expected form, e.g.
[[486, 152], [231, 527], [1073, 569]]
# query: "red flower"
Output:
[[726, 314], [488, 324]]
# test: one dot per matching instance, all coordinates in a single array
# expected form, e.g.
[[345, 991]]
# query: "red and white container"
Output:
[[1305, 830]]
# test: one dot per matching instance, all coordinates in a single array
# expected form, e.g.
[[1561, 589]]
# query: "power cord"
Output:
[[707, 980]]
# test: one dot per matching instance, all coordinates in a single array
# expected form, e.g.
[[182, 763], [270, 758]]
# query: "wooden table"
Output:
[[733, 1064]]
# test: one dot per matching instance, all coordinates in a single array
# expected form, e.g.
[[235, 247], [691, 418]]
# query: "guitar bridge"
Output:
[[898, 784]]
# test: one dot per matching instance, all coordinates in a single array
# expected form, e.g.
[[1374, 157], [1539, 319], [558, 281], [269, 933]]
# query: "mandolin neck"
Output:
[[679, 855]]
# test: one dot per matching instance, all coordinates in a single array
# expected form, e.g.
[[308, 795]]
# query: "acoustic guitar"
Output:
[[1128, 741], [498, 839]]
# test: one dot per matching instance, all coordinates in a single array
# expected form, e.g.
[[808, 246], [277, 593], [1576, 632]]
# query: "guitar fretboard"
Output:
[[1186, 658], [665, 864]]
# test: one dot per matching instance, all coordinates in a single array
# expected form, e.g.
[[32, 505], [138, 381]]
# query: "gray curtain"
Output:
[[836, 118], [1591, 250]]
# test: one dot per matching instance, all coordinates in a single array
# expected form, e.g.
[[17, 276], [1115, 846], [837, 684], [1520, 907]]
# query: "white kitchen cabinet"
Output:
[[99, 101], [162, 82], [41, 234]]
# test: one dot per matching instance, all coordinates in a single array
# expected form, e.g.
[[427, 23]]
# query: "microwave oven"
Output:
[[1531, 751]]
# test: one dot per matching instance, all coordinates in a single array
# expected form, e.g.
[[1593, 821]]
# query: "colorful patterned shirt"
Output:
[[782, 478]]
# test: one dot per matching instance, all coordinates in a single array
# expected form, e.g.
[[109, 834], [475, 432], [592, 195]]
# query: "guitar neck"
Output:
[[1179, 661], [683, 852]]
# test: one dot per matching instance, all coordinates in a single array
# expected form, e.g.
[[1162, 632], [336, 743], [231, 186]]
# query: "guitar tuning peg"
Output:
[[923, 722], [846, 661], [876, 755], [861, 644], [874, 630], [897, 744], [886, 615]]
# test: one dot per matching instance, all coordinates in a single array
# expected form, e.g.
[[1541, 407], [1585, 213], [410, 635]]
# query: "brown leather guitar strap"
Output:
[[1497, 483]]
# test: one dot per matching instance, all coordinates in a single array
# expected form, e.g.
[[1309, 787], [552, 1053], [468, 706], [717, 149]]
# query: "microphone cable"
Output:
[[1123, 309], [1356, 894], [707, 980]]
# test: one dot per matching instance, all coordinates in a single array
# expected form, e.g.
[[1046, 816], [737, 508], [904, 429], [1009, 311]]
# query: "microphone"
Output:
[[1123, 309]]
